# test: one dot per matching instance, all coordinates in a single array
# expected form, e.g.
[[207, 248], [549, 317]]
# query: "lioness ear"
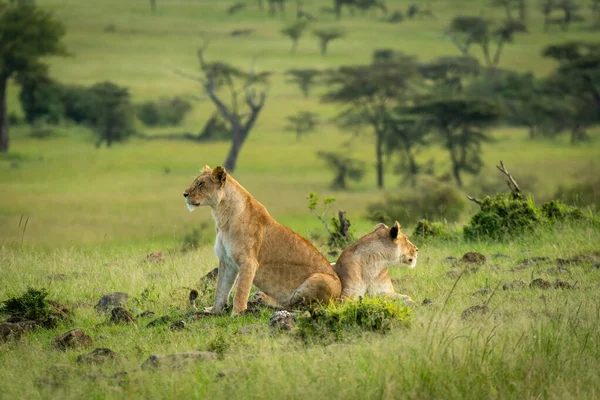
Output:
[[395, 230], [205, 169], [219, 175], [380, 226]]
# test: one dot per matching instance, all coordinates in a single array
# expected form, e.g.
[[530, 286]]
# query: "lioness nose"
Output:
[[185, 194]]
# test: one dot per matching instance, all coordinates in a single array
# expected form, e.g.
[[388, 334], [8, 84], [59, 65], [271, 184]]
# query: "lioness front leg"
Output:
[[225, 280], [407, 299], [245, 279]]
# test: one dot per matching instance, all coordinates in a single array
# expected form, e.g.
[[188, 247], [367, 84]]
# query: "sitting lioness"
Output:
[[256, 249], [363, 267]]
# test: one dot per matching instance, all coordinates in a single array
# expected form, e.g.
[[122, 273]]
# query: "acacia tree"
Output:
[[509, 6], [460, 123], [27, 33], [219, 75], [301, 123], [294, 32], [344, 168], [465, 31], [370, 92], [113, 113], [327, 35], [304, 78]]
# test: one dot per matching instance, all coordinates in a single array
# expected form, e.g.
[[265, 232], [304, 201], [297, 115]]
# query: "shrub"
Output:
[[40, 97], [32, 305], [430, 200], [78, 103], [164, 112], [426, 229], [339, 234], [555, 210], [375, 314]]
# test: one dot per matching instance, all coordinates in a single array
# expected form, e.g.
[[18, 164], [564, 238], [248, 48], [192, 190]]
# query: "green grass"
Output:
[[93, 214]]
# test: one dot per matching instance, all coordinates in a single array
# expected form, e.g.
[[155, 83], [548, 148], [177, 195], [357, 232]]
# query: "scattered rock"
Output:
[[472, 257], [58, 277], [557, 271], [560, 284], [10, 331], [72, 339], [146, 314], [250, 329], [156, 257], [500, 255], [453, 274], [474, 311], [212, 274], [451, 260], [482, 292], [530, 262], [98, 356], [596, 266], [540, 284], [282, 320], [514, 285], [112, 300], [120, 315], [427, 301], [165, 319], [178, 325], [178, 360]]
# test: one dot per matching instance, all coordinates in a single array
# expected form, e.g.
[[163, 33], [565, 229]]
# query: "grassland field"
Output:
[[93, 215]]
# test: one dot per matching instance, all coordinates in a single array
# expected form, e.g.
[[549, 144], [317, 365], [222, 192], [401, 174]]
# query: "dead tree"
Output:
[[218, 75], [510, 181]]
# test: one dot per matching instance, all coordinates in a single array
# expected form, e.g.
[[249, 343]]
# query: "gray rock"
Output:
[[72, 339], [540, 284], [119, 315], [514, 285], [112, 300], [473, 257], [10, 331], [250, 329], [474, 311], [282, 320], [178, 325], [165, 319], [178, 360], [98, 356], [560, 284], [427, 301]]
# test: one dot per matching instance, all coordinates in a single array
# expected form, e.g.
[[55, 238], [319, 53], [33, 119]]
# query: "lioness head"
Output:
[[206, 189], [400, 249]]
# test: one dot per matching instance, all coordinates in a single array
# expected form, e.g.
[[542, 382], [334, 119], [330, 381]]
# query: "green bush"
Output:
[[509, 215], [426, 229], [40, 98], [375, 314], [430, 200], [32, 305], [164, 112]]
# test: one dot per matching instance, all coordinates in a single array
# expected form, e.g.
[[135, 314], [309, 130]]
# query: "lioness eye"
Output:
[[200, 184]]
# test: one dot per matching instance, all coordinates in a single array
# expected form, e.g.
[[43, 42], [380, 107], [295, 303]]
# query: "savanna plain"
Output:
[[80, 222]]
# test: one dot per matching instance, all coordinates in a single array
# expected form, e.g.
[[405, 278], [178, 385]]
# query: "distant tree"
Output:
[[27, 33], [577, 82], [302, 122], [302, 14], [41, 98], [420, 10], [327, 35], [568, 9], [406, 136], [304, 78], [113, 119], [294, 32], [509, 6], [344, 168], [221, 75], [370, 93], [460, 123], [276, 5], [466, 31], [447, 74], [338, 4]]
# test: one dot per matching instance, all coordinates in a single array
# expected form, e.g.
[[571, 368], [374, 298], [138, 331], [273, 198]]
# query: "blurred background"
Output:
[[397, 109]]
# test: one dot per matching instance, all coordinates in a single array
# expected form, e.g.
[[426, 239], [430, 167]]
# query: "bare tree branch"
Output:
[[512, 184], [474, 200]]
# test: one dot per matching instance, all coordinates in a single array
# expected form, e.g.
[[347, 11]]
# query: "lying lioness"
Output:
[[256, 249], [363, 267]]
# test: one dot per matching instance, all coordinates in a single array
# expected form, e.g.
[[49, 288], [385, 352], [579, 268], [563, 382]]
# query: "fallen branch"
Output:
[[512, 184], [474, 200]]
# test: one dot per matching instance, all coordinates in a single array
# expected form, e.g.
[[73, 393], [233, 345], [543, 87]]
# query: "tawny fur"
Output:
[[363, 267], [255, 249]]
